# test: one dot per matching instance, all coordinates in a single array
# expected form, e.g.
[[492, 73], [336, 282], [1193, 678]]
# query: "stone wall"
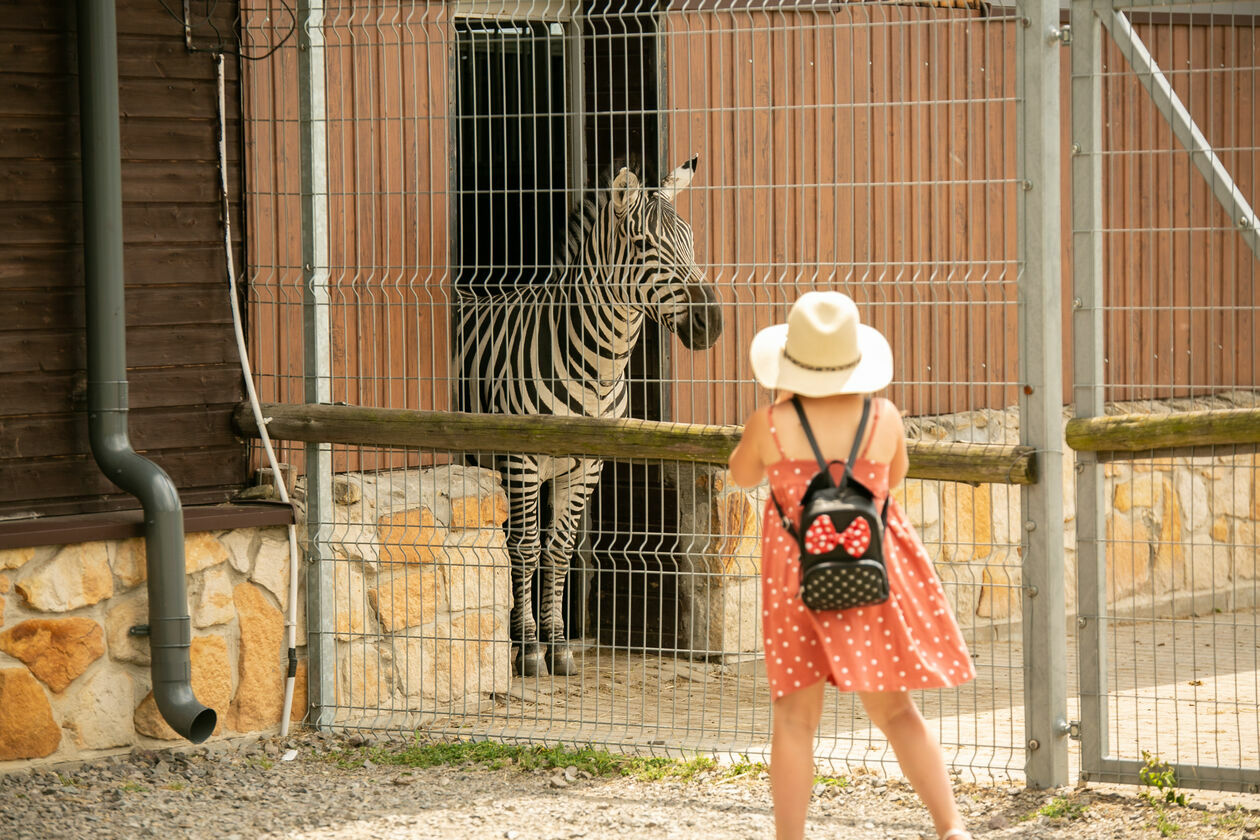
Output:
[[1181, 532], [419, 583], [421, 589], [74, 682]]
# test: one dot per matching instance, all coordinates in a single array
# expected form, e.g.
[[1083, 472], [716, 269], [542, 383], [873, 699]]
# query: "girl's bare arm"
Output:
[[746, 464]]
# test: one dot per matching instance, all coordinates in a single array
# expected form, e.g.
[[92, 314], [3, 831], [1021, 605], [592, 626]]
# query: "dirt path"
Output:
[[242, 791]]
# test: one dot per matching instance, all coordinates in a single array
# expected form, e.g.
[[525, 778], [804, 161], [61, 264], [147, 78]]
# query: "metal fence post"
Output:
[[1037, 67], [316, 360], [1087, 375]]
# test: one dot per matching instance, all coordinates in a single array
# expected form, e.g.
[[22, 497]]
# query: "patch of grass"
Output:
[[1062, 808], [133, 787], [744, 767], [494, 756], [175, 786], [831, 781], [1236, 818], [68, 780], [262, 762]]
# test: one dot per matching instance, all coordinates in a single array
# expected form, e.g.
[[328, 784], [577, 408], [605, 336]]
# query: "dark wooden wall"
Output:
[[182, 361]]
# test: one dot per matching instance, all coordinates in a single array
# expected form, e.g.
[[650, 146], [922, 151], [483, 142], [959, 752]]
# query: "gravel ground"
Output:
[[246, 790]]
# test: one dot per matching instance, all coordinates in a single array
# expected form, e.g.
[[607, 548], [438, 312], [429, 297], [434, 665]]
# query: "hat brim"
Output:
[[774, 370]]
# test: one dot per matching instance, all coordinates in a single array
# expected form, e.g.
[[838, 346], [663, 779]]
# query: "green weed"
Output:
[[1062, 808], [495, 756]]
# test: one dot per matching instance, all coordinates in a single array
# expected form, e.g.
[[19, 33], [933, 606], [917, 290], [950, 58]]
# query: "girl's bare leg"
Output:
[[796, 717], [918, 753]]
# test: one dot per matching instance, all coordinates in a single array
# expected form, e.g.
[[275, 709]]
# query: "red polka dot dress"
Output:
[[909, 641]]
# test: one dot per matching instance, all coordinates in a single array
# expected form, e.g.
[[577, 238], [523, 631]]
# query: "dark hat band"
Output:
[[821, 368]]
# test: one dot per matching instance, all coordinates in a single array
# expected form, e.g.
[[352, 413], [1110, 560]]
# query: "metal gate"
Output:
[[1165, 255]]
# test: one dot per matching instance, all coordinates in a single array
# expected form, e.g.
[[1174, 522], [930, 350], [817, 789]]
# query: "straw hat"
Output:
[[823, 349]]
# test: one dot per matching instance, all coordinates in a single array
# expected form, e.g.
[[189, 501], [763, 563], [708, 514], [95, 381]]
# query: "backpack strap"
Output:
[[822, 463], [857, 438]]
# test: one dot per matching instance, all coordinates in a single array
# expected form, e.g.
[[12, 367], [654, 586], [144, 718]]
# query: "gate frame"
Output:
[[1089, 17]]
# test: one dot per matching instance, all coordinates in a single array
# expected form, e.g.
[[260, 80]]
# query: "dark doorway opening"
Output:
[[512, 151]]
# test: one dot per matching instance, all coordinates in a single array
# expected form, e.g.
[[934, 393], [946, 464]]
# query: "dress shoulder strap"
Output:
[[774, 433], [875, 403]]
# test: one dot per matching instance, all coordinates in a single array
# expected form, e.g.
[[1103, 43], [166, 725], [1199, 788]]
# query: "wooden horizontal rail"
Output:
[[1177, 431], [603, 438]]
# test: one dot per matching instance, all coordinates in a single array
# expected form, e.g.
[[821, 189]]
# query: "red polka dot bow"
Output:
[[822, 537]]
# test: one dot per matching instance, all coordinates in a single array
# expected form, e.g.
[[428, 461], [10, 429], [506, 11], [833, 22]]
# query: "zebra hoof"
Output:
[[531, 662], [560, 660]]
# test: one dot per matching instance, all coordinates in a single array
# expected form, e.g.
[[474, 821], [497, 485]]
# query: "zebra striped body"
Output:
[[562, 348]]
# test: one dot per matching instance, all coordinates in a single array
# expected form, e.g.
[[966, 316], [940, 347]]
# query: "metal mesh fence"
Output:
[[867, 148], [1165, 115]]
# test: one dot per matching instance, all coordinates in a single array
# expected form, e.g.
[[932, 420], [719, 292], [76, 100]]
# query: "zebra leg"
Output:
[[570, 493], [520, 480]]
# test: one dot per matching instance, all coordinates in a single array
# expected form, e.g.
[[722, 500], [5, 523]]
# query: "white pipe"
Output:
[[290, 619]]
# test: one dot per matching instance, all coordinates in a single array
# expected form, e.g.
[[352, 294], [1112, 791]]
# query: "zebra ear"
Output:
[[678, 180], [624, 189]]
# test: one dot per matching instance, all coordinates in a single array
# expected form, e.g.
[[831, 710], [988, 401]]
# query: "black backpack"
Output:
[[840, 533]]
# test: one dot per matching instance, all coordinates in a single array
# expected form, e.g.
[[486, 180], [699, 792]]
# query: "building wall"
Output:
[[183, 369], [867, 147]]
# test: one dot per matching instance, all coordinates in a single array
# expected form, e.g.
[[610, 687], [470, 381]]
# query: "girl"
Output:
[[828, 358]]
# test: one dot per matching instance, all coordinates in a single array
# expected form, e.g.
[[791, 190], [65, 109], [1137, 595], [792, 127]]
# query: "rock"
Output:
[[410, 536], [1128, 550], [350, 597], [260, 693], [77, 576], [997, 822], [271, 565], [967, 522], [407, 599], [213, 603], [241, 546], [27, 728], [1145, 490], [15, 558], [124, 614], [201, 551], [130, 562], [365, 677], [477, 570], [466, 655], [101, 716], [345, 491], [56, 650]]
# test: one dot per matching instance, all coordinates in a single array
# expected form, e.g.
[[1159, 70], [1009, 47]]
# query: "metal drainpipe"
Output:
[[170, 630]]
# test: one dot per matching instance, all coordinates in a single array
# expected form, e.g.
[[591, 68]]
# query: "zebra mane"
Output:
[[581, 222]]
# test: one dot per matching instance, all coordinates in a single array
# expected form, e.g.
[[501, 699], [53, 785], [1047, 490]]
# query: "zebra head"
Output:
[[652, 249]]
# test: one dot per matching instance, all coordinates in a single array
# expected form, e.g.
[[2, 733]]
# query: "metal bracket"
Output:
[[1070, 728], [138, 630], [1062, 34]]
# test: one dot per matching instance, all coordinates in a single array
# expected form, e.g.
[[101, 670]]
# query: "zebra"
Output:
[[561, 348]]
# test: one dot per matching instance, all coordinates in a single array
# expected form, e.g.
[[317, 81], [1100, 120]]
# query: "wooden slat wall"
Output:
[[864, 147], [1181, 283], [183, 368]]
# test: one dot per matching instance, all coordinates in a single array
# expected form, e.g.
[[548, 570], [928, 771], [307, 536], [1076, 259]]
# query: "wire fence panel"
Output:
[[1166, 263], [474, 152]]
